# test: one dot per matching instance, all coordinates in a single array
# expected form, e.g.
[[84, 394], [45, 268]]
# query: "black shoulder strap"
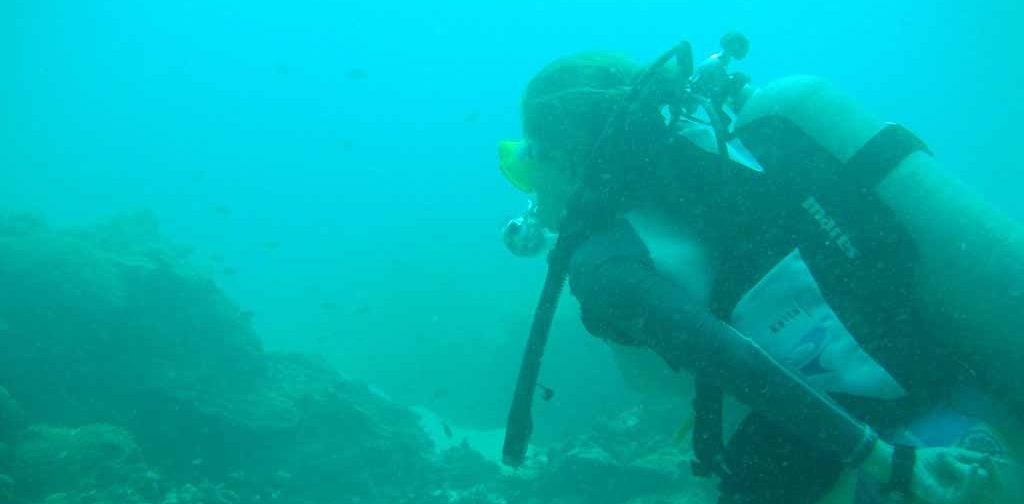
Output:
[[881, 155]]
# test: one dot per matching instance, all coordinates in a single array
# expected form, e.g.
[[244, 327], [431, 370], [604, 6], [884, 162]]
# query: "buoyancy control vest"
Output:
[[803, 200]]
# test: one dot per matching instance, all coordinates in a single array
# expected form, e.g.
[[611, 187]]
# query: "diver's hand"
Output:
[[941, 475], [951, 476]]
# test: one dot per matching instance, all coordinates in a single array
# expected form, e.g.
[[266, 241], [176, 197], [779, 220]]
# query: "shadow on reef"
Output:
[[128, 377]]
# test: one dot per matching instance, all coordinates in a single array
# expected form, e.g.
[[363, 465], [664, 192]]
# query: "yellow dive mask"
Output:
[[517, 164]]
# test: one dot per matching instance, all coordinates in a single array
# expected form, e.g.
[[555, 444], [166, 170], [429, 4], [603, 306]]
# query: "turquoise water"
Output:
[[331, 165]]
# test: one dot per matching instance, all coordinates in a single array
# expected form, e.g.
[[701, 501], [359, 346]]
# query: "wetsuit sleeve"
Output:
[[622, 297]]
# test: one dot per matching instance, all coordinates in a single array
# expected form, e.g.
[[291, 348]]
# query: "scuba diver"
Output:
[[785, 247]]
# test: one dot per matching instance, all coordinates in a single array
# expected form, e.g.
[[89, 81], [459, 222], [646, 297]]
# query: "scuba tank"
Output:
[[707, 90], [969, 283]]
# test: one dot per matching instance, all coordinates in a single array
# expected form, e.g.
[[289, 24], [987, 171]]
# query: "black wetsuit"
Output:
[[859, 255]]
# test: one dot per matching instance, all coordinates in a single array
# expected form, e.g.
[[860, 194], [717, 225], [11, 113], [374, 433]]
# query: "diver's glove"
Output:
[[525, 236]]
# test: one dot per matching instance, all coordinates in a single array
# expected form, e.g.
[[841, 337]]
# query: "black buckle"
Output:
[[903, 459]]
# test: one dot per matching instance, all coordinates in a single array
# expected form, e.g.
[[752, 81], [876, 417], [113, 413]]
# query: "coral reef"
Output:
[[119, 348], [92, 331], [342, 441], [630, 456], [12, 418], [88, 460], [139, 382]]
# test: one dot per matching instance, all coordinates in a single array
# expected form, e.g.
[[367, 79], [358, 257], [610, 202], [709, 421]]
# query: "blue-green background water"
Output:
[[332, 163]]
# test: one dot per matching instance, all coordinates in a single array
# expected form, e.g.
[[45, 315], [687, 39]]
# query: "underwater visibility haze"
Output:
[[252, 251]]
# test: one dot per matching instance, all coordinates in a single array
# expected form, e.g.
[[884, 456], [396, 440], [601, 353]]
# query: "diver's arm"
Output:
[[622, 296]]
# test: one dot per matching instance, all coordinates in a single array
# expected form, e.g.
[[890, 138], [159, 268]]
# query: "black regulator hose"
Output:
[[520, 418]]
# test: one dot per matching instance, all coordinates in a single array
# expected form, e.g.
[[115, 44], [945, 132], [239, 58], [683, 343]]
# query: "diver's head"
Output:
[[565, 109], [735, 45], [568, 103]]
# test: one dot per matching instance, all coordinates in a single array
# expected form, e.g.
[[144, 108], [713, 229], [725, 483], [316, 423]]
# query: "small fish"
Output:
[[272, 245], [329, 305], [684, 429], [4, 326], [546, 393], [222, 210], [440, 393], [229, 271], [472, 117], [345, 143], [282, 69], [357, 74], [447, 430], [361, 309]]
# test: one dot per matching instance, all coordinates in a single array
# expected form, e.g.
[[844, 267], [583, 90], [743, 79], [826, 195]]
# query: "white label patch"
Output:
[[786, 314]]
